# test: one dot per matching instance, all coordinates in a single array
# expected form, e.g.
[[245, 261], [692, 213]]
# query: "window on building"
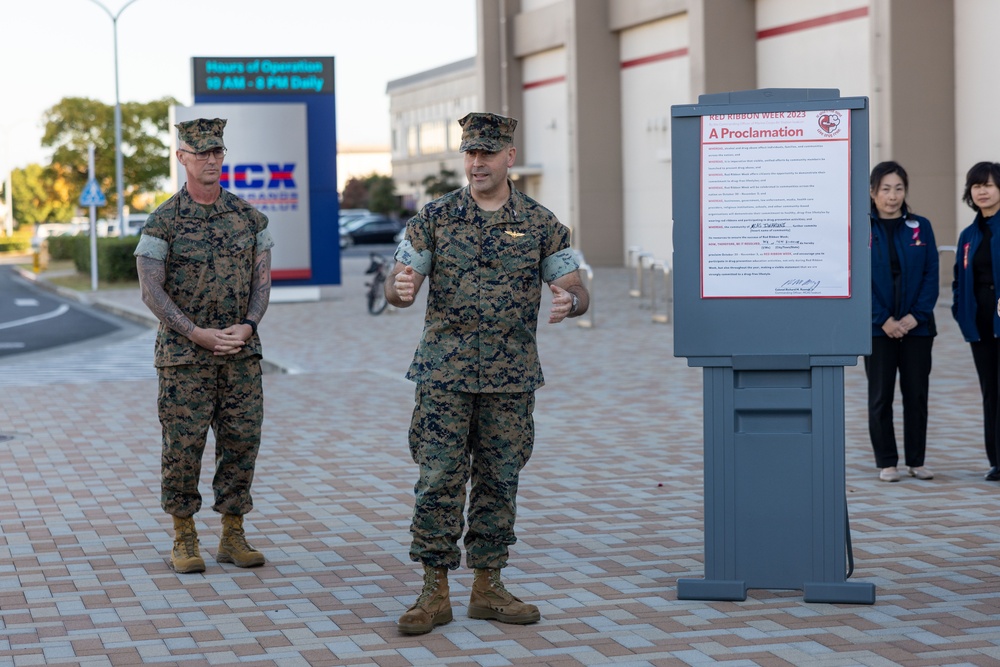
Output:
[[412, 142], [454, 137], [433, 137]]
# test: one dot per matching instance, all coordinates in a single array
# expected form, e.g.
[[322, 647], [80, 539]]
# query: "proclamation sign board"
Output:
[[776, 204], [771, 225]]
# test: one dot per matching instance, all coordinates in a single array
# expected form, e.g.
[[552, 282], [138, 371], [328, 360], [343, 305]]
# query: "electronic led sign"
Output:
[[263, 76]]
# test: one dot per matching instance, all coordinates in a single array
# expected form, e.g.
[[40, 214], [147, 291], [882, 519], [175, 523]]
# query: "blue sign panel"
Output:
[[92, 194]]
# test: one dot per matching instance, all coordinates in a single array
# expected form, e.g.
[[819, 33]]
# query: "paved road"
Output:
[[33, 319], [47, 338]]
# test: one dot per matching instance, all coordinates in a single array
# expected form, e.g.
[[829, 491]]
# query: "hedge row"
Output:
[[115, 258], [14, 245], [61, 247]]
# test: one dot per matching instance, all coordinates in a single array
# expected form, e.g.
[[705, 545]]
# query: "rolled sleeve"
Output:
[[559, 264], [264, 240], [152, 247], [420, 261]]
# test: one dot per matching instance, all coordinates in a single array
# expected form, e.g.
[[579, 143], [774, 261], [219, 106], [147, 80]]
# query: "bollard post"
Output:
[[664, 317], [587, 321], [634, 289], [645, 259]]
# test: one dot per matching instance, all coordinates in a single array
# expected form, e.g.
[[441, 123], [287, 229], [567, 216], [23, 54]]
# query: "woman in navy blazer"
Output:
[[904, 291], [974, 302]]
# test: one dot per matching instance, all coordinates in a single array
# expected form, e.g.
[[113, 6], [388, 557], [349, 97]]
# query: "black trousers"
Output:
[[911, 357], [986, 355]]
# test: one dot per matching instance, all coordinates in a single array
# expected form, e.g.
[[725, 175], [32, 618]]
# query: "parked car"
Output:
[[374, 228], [348, 215]]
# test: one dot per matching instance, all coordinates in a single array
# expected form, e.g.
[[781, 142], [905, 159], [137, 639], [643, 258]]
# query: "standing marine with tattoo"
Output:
[[204, 263]]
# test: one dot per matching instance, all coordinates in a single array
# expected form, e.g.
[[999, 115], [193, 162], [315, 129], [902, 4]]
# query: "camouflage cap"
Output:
[[202, 134], [486, 131]]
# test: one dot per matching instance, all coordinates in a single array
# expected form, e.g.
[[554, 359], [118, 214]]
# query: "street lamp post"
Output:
[[119, 162]]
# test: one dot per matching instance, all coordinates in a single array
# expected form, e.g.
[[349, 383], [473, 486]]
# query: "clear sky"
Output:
[[51, 49]]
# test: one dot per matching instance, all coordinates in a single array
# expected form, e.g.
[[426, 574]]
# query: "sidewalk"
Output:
[[610, 516]]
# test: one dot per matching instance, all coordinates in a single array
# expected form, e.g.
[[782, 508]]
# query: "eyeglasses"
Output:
[[218, 153]]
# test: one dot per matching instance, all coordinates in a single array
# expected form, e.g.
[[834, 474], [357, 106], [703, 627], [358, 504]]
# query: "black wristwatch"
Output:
[[576, 304], [253, 325]]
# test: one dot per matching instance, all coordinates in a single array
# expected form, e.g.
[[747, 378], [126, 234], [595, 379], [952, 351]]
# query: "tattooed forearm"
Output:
[[152, 276], [260, 287]]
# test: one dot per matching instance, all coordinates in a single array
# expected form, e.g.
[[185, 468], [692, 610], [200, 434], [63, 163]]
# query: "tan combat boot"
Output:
[[433, 606], [233, 547], [184, 557], [490, 600]]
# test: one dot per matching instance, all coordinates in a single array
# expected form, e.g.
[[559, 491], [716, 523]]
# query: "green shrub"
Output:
[[115, 259], [63, 247], [14, 245]]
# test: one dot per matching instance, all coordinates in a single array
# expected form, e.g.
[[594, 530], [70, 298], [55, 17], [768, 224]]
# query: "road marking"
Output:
[[25, 302], [36, 318]]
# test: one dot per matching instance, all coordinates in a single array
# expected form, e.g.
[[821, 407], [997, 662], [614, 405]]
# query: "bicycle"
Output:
[[379, 267]]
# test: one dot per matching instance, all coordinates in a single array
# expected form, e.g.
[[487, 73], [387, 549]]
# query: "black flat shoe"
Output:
[[993, 475]]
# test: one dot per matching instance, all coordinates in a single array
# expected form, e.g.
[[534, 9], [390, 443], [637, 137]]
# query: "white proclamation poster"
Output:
[[776, 205]]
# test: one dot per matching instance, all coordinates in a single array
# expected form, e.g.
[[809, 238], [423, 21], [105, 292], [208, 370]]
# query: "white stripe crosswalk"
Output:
[[121, 360]]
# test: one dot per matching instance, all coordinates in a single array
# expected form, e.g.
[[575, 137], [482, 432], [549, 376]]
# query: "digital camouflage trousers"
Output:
[[456, 437], [229, 399]]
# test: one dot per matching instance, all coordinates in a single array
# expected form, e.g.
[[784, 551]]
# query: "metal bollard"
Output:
[[634, 283], [645, 261], [586, 320], [668, 292]]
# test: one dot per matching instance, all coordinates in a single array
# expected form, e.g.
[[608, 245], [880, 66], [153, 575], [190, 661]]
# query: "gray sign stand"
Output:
[[775, 499]]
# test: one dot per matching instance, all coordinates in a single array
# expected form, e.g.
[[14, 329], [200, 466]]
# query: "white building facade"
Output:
[[424, 109], [592, 83]]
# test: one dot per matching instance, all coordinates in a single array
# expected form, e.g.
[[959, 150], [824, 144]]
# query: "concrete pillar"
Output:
[[594, 88], [914, 101], [723, 46], [499, 71]]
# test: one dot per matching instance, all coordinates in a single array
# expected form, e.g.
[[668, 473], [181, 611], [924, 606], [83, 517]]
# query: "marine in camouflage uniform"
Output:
[[204, 267], [485, 249]]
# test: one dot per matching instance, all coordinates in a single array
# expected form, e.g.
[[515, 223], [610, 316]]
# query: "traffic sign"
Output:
[[92, 195]]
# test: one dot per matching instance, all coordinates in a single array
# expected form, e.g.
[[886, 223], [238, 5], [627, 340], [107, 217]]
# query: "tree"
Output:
[[75, 122], [355, 194], [382, 194], [441, 183], [41, 194], [374, 192]]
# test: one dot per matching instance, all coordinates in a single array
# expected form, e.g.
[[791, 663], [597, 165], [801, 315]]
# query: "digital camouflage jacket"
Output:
[[209, 254], [485, 271]]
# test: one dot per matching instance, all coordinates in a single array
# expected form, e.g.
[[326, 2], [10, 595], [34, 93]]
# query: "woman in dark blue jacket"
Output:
[[974, 303], [904, 292]]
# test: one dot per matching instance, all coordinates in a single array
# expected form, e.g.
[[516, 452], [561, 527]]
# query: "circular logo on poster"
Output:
[[828, 123]]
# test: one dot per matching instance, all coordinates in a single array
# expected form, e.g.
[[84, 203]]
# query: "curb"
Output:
[[142, 318]]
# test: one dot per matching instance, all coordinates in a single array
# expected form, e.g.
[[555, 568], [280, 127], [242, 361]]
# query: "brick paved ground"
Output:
[[610, 515]]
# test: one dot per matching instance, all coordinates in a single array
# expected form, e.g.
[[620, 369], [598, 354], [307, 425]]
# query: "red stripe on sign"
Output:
[[676, 53], [291, 274], [858, 13], [544, 82]]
